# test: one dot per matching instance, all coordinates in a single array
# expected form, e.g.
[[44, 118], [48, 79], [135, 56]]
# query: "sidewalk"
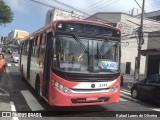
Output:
[[5, 87], [127, 79]]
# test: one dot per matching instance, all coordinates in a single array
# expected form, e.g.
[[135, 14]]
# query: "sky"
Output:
[[30, 16]]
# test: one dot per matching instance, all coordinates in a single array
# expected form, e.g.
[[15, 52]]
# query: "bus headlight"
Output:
[[114, 87], [62, 88]]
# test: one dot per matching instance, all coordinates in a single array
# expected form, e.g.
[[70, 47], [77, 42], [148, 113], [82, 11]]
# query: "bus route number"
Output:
[[102, 85]]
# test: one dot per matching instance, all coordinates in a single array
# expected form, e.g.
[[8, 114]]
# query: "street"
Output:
[[17, 95]]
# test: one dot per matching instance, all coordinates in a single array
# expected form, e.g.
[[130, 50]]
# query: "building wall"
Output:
[[153, 15], [106, 18], [21, 35], [129, 45], [154, 40], [16, 34]]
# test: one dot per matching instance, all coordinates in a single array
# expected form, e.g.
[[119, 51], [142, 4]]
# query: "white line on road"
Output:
[[156, 109], [8, 64], [128, 97], [13, 109], [125, 92], [121, 99], [16, 64], [31, 101]]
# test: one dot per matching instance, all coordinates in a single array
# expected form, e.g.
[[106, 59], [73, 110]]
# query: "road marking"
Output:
[[8, 64], [31, 101], [125, 92], [13, 109], [121, 99], [16, 64], [129, 97], [156, 109]]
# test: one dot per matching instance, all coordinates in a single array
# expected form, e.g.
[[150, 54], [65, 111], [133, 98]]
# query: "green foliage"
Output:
[[6, 15]]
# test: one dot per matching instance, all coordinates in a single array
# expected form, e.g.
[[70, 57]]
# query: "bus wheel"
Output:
[[37, 87], [22, 75]]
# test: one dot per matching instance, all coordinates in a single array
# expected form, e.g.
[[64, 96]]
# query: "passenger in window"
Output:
[[71, 57]]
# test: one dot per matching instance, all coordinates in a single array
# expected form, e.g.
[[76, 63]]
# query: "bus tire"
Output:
[[37, 87], [22, 75]]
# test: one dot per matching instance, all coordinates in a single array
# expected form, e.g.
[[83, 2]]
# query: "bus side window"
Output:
[[27, 47], [42, 46], [33, 47], [37, 46], [22, 48]]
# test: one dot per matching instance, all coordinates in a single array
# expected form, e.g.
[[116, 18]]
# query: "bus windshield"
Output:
[[84, 54]]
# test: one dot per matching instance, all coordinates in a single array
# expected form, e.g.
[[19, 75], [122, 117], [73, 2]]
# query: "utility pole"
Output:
[[140, 42]]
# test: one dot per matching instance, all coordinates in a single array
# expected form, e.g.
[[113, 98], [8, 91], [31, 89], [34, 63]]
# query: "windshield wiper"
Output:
[[86, 49], [100, 50], [80, 42]]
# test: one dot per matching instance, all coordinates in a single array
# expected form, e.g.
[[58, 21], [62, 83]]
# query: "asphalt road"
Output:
[[24, 99]]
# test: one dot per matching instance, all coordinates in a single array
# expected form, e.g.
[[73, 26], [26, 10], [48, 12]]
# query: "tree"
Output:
[[6, 15]]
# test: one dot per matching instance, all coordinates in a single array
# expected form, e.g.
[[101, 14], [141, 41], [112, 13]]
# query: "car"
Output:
[[3, 50], [15, 57], [14, 53], [147, 89]]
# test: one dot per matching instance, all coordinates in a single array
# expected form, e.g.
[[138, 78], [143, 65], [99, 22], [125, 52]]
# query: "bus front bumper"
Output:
[[59, 98]]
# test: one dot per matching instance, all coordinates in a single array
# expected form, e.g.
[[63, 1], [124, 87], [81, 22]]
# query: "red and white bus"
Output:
[[73, 62]]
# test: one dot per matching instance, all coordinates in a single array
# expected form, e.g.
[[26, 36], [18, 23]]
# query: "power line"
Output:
[[98, 5], [72, 8], [152, 4], [76, 9], [92, 5], [41, 3], [138, 4], [103, 5]]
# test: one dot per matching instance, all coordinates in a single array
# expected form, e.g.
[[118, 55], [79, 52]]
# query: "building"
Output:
[[15, 35], [152, 53], [129, 27], [155, 15], [58, 14]]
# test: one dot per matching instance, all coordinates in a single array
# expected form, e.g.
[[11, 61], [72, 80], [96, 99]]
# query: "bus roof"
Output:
[[54, 23], [86, 21]]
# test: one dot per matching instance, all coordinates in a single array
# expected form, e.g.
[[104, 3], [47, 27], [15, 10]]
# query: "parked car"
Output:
[[147, 89], [15, 57]]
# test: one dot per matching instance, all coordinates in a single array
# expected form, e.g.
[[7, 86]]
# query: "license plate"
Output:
[[91, 99]]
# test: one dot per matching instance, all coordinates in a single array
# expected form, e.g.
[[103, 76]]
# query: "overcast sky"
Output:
[[30, 16]]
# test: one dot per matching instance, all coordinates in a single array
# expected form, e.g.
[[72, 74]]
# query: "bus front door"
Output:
[[47, 64]]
